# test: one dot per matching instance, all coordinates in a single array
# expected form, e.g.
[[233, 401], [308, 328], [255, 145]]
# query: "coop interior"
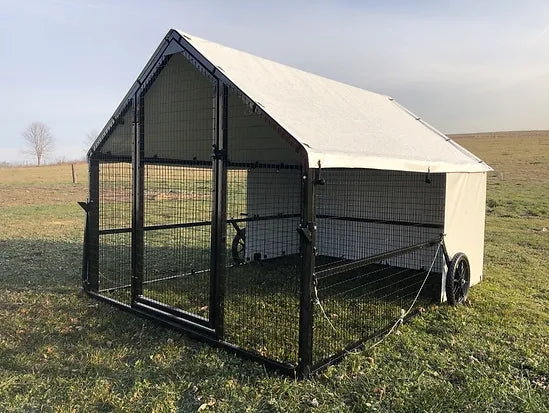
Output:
[[360, 214], [372, 261]]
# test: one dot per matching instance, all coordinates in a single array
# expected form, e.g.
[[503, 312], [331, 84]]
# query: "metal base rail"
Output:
[[206, 335], [197, 332]]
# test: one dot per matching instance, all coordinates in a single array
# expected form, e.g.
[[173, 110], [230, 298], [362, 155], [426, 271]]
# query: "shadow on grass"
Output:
[[261, 301], [40, 265]]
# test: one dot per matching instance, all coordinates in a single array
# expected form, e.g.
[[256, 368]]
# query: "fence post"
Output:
[[92, 279], [219, 212], [307, 231], [74, 177], [138, 178]]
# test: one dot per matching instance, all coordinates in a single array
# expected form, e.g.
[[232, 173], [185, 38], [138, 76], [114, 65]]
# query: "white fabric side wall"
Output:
[[465, 217], [272, 192], [379, 195]]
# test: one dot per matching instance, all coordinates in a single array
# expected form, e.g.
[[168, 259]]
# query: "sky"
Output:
[[463, 66]]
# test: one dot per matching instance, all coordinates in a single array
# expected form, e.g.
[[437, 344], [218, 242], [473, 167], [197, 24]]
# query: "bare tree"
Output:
[[38, 141], [91, 136]]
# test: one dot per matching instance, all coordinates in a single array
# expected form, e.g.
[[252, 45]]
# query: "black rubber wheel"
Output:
[[458, 279], [239, 247]]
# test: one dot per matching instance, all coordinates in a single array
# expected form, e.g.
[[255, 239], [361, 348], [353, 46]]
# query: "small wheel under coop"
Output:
[[239, 246], [458, 279]]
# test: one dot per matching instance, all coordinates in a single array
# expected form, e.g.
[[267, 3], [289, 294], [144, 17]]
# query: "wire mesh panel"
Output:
[[119, 136], [374, 254], [115, 212], [179, 123], [362, 212], [178, 209], [263, 264]]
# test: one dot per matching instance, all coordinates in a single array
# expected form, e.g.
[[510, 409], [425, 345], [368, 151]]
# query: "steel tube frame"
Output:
[[138, 176], [91, 281], [219, 212], [307, 231], [212, 333]]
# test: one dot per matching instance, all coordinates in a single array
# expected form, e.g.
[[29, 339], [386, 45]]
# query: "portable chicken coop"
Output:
[[271, 211]]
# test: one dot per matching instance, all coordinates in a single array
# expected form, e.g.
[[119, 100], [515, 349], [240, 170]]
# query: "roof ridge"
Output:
[[190, 37]]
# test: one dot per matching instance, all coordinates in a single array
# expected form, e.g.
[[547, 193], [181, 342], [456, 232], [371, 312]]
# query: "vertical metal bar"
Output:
[[307, 251], [85, 250], [138, 177], [92, 277], [219, 212]]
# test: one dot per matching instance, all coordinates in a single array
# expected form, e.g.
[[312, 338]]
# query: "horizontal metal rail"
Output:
[[328, 272], [196, 331], [194, 162], [265, 218], [381, 221], [197, 224], [260, 165], [177, 312], [108, 158]]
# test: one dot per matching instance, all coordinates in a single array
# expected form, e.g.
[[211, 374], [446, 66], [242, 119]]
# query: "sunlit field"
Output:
[[63, 351]]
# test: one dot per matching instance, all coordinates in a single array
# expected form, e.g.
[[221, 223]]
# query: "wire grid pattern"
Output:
[[115, 214], [179, 112], [364, 302], [263, 206], [179, 121], [252, 139], [118, 141], [177, 259], [115, 195], [261, 298], [362, 213]]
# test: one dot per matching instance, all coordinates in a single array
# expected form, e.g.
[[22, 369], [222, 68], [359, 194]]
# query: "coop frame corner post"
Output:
[[138, 181], [219, 211], [307, 230], [91, 280]]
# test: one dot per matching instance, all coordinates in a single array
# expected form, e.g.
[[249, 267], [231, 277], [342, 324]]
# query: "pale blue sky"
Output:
[[463, 66]]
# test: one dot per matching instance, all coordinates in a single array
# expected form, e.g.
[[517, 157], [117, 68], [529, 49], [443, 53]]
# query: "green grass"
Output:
[[62, 351]]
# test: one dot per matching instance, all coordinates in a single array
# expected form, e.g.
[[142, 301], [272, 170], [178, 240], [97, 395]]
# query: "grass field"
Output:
[[62, 351]]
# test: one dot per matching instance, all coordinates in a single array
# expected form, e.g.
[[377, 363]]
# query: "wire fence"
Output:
[[376, 231]]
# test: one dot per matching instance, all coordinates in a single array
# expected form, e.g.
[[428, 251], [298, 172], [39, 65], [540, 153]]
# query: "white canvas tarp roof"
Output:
[[339, 125]]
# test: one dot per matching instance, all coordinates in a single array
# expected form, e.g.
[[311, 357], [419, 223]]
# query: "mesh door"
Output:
[[178, 120]]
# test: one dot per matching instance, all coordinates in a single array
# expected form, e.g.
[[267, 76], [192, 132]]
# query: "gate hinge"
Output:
[[306, 232], [219, 154]]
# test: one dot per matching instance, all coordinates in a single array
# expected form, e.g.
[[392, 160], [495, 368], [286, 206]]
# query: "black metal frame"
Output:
[[211, 330], [219, 212]]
